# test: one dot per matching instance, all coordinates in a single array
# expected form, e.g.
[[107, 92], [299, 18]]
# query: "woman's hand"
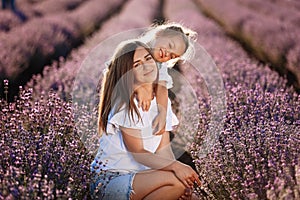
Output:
[[188, 192], [189, 196], [186, 174]]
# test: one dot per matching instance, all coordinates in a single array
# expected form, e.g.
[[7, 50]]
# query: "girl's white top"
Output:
[[163, 74], [112, 154]]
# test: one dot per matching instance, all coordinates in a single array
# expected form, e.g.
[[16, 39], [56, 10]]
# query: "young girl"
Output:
[[169, 43], [131, 162]]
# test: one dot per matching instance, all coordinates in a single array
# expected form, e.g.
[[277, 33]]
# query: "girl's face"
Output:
[[144, 66], [168, 47]]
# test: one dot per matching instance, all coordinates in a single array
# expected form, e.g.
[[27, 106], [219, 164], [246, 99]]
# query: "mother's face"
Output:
[[144, 66]]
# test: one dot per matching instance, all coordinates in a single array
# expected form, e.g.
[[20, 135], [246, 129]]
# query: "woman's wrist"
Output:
[[175, 166]]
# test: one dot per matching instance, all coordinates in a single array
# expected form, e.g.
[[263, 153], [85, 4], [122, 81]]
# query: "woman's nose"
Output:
[[146, 66]]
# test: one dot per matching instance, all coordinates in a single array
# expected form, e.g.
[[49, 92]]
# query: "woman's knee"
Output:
[[157, 178], [179, 185], [175, 182]]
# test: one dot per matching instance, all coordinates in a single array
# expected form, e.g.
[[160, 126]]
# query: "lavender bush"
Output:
[[8, 20], [54, 37], [266, 8], [287, 3], [51, 7], [259, 143], [256, 157], [49, 141], [31, 10], [42, 156], [60, 75], [269, 36], [257, 154]]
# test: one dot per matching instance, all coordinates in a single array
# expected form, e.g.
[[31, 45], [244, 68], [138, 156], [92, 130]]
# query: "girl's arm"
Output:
[[159, 122]]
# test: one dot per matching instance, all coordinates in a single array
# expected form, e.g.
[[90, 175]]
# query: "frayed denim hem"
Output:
[[113, 186], [131, 190]]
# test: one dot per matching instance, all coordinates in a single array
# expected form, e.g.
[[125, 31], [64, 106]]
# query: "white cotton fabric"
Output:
[[112, 150], [163, 74]]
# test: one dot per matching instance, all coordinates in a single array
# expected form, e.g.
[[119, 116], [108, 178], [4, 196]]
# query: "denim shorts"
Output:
[[112, 185]]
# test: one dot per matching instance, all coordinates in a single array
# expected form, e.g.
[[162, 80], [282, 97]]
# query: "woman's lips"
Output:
[[147, 73]]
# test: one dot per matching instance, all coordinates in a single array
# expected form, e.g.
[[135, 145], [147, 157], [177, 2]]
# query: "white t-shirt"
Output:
[[163, 74], [112, 151]]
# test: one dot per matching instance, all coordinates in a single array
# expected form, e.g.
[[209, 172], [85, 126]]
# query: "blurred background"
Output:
[[255, 45], [37, 33]]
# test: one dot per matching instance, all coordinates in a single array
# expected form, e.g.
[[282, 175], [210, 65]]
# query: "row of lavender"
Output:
[[42, 144], [27, 48], [26, 10], [269, 29], [256, 155]]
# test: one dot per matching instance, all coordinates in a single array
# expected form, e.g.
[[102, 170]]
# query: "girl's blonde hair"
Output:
[[117, 83], [172, 29]]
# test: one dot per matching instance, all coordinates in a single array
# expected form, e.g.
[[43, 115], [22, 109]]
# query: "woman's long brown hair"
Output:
[[117, 83]]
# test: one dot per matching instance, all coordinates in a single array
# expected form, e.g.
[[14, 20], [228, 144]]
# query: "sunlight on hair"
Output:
[[185, 98]]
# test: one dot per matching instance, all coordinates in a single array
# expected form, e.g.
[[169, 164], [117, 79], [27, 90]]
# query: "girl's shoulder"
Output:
[[168, 64]]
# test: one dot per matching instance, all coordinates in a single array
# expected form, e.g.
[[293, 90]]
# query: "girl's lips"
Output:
[[161, 53]]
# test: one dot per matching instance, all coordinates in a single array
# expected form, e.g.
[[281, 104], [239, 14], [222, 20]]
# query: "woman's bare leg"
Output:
[[165, 192], [156, 185]]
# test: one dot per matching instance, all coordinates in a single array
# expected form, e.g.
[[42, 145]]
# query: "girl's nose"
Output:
[[167, 54]]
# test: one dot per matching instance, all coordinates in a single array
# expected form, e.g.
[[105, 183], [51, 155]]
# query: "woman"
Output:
[[132, 163]]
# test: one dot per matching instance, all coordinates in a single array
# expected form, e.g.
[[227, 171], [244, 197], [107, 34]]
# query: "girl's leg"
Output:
[[156, 185]]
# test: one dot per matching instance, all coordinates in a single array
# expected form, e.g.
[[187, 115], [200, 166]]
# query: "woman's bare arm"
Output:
[[134, 144], [164, 147], [160, 160]]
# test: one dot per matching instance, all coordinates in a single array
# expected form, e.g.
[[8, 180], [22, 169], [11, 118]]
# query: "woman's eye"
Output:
[[149, 58], [136, 65]]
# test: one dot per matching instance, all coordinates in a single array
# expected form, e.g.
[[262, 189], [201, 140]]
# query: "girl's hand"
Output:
[[144, 104], [144, 98], [186, 174], [159, 123]]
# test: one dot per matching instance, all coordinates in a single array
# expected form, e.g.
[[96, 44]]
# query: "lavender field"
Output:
[[48, 138]]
